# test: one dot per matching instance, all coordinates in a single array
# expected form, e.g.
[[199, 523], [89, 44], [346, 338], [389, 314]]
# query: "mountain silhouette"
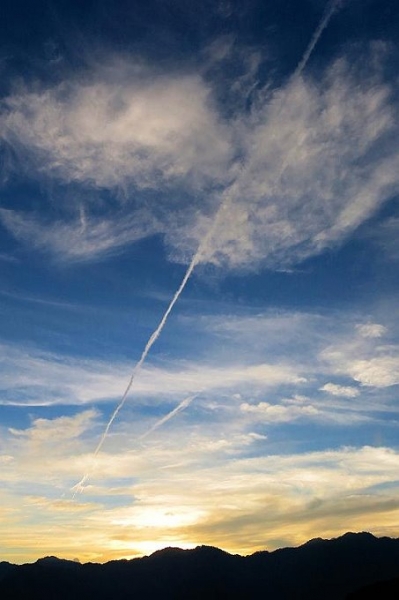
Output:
[[334, 569], [381, 590]]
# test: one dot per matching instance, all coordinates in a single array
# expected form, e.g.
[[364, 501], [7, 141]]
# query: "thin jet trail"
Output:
[[154, 336], [183, 404], [139, 364], [332, 7], [330, 10]]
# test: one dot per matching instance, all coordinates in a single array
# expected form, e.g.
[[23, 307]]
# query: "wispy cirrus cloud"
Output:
[[81, 239], [371, 330], [32, 377], [124, 122], [279, 367], [303, 187], [317, 158]]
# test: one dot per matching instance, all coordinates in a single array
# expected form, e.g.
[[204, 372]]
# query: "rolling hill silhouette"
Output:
[[329, 569]]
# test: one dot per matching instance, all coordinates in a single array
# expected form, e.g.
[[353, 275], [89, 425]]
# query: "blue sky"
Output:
[[258, 144]]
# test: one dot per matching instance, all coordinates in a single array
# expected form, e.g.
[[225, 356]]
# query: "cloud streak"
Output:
[[34, 378], [137, 368], [327, 188], [71, 242], [289, 182]]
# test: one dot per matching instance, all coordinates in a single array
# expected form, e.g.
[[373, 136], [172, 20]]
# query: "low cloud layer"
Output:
[[274, 367], [205, 486]]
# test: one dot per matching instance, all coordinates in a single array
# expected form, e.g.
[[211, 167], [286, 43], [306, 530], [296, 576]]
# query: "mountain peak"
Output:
[[49, 559]]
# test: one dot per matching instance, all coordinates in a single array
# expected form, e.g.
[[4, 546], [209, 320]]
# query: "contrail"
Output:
[[139, 364], [183, 404], [330, 9]]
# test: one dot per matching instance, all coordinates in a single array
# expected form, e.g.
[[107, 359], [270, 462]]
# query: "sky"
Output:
[[240, 161]]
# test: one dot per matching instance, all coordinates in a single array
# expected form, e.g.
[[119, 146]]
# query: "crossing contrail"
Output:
[[183, 404], [331, 8]]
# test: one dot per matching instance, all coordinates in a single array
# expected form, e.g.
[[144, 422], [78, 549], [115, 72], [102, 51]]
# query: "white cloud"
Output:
[[120, 124], [31, 377], [181, 491], [80, 240], [317, 165], [56, 431], [317, 158], [275, 333], [277, 413], [290, 410], [371, 330], [340, 390], [381, 371], [363, 359]]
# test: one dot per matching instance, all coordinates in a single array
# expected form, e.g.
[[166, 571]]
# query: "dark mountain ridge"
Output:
[[328, 569]]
